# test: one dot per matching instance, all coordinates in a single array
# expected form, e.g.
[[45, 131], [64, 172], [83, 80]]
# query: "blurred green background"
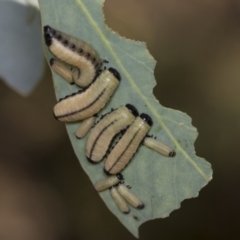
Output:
[[44, 192]]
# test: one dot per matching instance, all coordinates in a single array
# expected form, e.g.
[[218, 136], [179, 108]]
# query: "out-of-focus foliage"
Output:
[[21, 58]]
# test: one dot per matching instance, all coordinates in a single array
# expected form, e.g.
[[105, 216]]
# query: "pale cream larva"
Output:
[[108, 182], [74, 52], [108, 127], [85, 104], [129, 196], [84, 127], [61, 70], [119, 200], [128, 145], [159, 147]]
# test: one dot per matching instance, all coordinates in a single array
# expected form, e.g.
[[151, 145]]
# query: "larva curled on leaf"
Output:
[[74, 52], [119, 200], [108, 127], [86, 103], [124, 150], [108, 182], [129, 196]]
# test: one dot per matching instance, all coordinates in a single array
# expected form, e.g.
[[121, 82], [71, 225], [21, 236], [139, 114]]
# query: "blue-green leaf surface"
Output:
[[162, 183]]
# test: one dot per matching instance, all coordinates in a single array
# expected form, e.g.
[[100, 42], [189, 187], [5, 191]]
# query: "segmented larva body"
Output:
[[85, 104], [61, 70], [127, 145], [159, 147], [84, 127], [108, 182], [119, 200], [129, 196], [74, 52], [107, 128]]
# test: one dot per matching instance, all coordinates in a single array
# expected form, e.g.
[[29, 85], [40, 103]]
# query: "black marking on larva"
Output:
[[88, 55], [132, 109], [65, 42], [93, 60], [123, 131], [120, 176], [80, 51], [46, 28], [115, 73], [51, 61], [59, 37], [91, 161], [78, 111], [103, 115], [149, 135], [96, 65], [111, 145], [172, 154], [129, 187], [70, 95], [78, 73], [141, 206], [105, 61], [99, 135], [146, 118], [96, 76], [72, 46], [125, 151], [48, 35], [106, 172]]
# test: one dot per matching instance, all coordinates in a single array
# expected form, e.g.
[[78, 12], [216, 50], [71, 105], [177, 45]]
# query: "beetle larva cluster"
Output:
[[79, 63], [121, 194]]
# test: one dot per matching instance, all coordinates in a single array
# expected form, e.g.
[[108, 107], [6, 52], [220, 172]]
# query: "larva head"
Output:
[[115, 73], [146, 118], [141, 206], [51, 61], [120, 176], [132, 109], [48, 34], [172, 154]]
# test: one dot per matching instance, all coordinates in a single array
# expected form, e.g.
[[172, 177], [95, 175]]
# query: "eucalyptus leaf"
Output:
[[162, 183]]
